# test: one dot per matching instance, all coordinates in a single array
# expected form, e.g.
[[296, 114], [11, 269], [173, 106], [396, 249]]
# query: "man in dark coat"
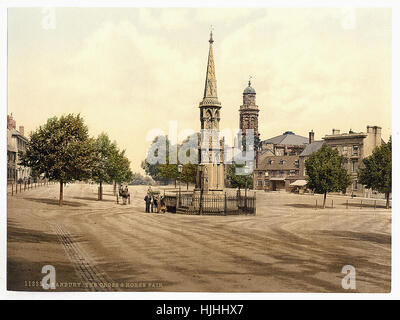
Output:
[[147, 199]]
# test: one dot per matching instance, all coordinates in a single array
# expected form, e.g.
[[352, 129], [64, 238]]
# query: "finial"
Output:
[[211, 38], [250, 80]]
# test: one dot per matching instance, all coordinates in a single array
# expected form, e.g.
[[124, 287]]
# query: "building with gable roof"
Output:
[[16, 142]]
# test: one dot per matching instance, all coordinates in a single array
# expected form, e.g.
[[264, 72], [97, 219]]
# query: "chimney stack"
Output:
[[376, 132], [335, 131], [311, 137], [11, 124], [21, 130]]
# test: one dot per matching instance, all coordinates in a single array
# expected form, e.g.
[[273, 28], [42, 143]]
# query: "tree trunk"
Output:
[[115, 188], [387, 200], [323, 205], [60, 201], [187, 185], [101, 191], [175, 183]]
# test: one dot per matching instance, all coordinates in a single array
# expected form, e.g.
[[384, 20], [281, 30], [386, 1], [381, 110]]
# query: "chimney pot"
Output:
[[311, 137], [11, 124]]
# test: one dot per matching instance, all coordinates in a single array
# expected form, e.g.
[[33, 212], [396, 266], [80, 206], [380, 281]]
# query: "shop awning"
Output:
[[298, 183]]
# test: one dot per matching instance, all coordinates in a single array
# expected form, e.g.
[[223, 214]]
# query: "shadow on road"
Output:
[[54, 202], [363, 236], [300, 205], [92, 199], [16, 234]]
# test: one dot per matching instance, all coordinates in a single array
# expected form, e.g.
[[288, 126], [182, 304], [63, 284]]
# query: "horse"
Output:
[[124, 194]]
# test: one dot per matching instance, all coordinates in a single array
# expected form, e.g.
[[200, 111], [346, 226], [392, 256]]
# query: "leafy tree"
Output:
[[153, 170], [325, 172], [104, 167], [189, 172], [237, 180], [121, 171], [169, 172], [61, 150], [139, 179], [377, 171]]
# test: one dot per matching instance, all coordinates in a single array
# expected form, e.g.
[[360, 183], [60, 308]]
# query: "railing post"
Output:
[[255, 202], [12, 189], [225, 204], [374, 204], [361, 205]]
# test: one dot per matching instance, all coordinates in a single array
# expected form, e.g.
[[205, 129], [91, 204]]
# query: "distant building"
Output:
[[355, 146], [287, 144], [312, 147], [16, 141], [248, 119], [248, 112], [279, 163], [276, 173]]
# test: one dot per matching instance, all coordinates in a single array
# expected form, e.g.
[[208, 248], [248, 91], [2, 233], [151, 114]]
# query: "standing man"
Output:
[[147, 199]]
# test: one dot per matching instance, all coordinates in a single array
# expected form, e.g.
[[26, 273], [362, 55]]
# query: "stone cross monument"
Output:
[[210, 177]]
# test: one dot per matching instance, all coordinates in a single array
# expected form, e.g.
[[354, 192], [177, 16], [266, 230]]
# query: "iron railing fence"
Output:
[[218, 204]]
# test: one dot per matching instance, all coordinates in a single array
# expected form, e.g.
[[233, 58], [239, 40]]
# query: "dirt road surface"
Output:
[[288, 246]]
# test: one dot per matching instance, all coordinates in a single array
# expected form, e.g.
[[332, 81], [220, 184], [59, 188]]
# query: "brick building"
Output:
[[287, 144], [355, 146], [16, 141], [276, 173], [279, 162]]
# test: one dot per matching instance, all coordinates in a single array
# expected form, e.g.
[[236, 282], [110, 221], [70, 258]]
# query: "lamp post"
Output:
[[247, 169], [180, 168]]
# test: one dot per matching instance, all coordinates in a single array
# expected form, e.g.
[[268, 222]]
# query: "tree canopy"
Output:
[[104, 150], [169, 170], [111, 164], [325, 172], [61, 150], [121, 171], [238, 180], [376, 172]]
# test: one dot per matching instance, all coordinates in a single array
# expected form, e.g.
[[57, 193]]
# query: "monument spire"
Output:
[[210, 90]]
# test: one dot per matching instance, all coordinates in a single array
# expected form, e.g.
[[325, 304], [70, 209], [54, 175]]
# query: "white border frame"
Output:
[[4, 294]]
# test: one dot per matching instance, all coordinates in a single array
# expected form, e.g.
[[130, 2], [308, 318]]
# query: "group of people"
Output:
[[154, 202]]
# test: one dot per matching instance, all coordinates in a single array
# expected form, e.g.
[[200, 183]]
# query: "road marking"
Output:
[[84, 267]]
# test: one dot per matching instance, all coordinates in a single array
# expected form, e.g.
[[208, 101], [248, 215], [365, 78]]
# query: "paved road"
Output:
[[289, 246]]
